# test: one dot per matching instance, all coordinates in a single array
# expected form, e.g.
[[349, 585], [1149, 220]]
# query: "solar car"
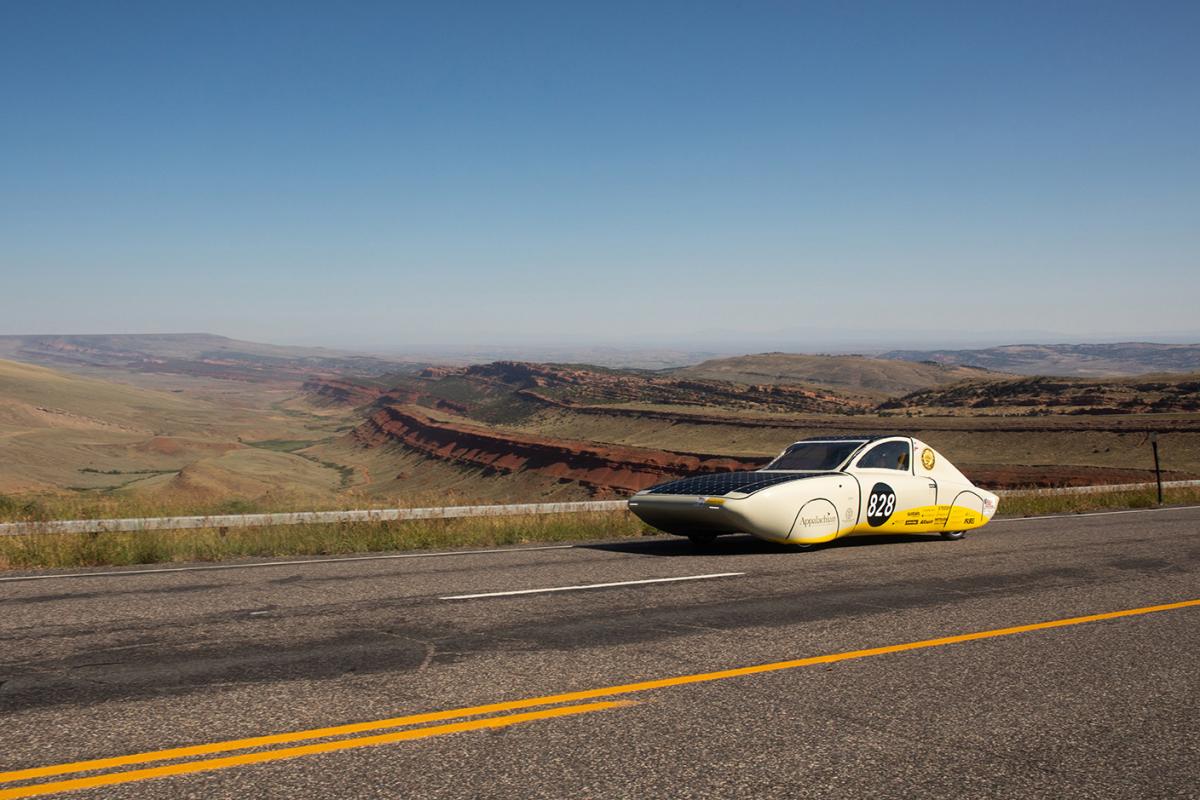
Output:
[[818, 490]]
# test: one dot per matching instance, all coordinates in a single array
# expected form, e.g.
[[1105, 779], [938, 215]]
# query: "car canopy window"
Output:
[[889, 455], [815, 456]]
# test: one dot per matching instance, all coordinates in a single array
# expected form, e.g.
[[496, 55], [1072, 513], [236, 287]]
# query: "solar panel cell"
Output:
[[724, 482]]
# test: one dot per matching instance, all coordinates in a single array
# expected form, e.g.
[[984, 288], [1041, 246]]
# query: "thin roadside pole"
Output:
[[1157, 469]]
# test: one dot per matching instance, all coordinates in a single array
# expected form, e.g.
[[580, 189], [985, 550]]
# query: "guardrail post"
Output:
[[1157, 470]]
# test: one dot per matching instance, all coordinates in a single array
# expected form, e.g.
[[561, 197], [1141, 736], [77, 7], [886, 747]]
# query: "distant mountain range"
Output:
[[206, 354], [1083, 360], [895, 372], [200, 354]]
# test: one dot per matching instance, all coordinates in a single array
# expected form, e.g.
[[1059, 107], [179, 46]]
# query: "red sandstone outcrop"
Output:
[[605, 469]]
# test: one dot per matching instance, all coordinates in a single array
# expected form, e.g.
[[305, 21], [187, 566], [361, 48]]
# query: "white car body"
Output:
[[866, 485]]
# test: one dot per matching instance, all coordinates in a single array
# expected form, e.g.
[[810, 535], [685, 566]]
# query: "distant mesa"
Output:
[[575, 384]]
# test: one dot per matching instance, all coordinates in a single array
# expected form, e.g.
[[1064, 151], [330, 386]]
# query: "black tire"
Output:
[[702, 539], [953, 535]]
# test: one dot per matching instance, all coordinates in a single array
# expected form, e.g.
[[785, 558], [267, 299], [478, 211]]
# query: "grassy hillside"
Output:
[[38, 397], [871, 376]]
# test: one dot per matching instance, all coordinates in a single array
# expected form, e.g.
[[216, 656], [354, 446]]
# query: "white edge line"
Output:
[[1069, 515], [299, 562], [592, 586]]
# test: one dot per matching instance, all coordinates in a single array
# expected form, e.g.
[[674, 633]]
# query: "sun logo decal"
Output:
[[928, 459]]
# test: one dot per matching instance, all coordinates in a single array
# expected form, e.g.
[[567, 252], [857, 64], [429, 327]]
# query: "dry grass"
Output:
[[90, 505], [1033, 504], [61, 431], [118, 549]]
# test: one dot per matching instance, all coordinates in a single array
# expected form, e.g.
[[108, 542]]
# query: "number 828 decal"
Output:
[[880, 504]]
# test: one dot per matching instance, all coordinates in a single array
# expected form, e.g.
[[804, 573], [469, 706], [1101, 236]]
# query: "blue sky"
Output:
[[403, 176]]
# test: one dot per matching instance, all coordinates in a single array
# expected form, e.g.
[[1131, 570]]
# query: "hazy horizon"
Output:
[[613, 351], [388, 177]]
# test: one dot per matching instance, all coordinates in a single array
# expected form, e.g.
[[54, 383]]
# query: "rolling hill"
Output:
[[60, 432], [875, 377], [1084, 360]]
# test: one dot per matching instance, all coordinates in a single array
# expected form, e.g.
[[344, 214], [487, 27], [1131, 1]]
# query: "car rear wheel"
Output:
[[953, 534]]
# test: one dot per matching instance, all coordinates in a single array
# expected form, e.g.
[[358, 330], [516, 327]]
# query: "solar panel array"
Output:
[[723, 482]]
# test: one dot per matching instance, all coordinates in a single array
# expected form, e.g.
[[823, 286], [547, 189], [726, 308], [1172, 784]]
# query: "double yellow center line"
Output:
[[188, 767], [562, 705]]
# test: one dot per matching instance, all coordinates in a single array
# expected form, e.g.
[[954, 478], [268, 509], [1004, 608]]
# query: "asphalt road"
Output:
[[124, 664]]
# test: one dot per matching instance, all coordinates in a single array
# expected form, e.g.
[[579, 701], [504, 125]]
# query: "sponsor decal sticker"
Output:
[[928, 459]]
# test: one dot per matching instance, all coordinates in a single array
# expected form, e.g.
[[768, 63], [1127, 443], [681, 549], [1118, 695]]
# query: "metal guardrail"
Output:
[[300, 518], [394, 514]]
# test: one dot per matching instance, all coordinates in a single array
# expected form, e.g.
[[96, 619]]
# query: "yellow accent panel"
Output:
[[829, 538], [962, 519], [927, 519]]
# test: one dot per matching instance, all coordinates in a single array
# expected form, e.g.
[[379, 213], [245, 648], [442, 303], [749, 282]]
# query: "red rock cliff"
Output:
[[605, 469]]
